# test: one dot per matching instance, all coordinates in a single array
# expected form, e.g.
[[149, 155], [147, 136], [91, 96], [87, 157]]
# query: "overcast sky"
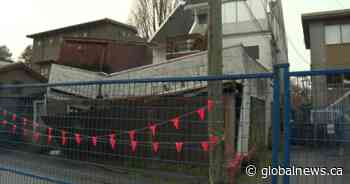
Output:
[[22, 17]]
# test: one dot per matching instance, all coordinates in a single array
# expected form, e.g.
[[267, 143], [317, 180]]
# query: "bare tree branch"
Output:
[[149, 15]]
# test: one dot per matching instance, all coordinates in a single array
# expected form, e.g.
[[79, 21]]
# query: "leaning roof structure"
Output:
[[235, 60]]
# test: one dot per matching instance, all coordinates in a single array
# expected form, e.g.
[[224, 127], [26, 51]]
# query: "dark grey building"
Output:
[[47, 45], [327, 36]]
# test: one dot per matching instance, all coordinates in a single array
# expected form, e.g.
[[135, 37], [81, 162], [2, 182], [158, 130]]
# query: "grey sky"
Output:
[[20, 18]]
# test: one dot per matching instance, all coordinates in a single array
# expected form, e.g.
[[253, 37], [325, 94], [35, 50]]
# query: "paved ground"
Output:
[[72, 171], [328, 156]]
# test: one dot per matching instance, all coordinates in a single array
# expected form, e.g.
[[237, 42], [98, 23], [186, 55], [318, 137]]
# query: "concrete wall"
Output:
[[253, 39]]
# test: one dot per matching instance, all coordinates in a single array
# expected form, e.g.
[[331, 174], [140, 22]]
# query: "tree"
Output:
[[5, 52], [148, 15], [27, 54]]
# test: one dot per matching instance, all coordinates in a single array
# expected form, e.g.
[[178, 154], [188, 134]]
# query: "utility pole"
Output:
[[215, 91]]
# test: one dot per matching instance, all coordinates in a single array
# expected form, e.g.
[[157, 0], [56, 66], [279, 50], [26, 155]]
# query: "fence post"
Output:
[[286, 85], [276, 120]]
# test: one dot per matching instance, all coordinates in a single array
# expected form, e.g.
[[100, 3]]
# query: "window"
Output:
[[332, 34], [85, 34], [336, 34], [51, 41], [228, 12], [345, 30], [203, 18], [253, 52], [38, 43]]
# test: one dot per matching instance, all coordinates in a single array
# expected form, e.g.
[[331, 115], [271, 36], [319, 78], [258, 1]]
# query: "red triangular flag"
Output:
[[133, 146], [14, 127], [132, 134], [112, 141], [213, 139], [201, 113], [77, 138], [210, 105], [94, 140], [36, 136], [179, 146], [49, 135], [14, 117], [205, 146], [176, 122], [155, 146], [4, 122], [153, 129], [63, 137]]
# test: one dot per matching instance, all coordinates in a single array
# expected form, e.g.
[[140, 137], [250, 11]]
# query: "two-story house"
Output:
[[47, 45], [327, 36]]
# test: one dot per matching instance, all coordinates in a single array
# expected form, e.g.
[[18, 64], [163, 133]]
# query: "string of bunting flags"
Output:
[[112, 137]]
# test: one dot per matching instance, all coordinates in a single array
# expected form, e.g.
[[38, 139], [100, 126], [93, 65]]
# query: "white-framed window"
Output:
[[229, 12], [345, 30], [337, 33]]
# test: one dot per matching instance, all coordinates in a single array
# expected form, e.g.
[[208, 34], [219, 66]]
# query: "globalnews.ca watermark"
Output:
[[266, 172]]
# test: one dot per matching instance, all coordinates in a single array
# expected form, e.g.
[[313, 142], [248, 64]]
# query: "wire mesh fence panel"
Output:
[[319, 128], [135, 131]]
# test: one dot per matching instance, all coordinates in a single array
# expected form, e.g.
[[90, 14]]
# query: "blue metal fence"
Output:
[[315, 123], [101, 131]]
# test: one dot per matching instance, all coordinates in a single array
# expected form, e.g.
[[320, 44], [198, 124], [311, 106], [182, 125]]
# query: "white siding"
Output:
[[263, 41]]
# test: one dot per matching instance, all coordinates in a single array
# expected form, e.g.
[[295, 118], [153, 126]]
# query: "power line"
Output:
[[303, 59]]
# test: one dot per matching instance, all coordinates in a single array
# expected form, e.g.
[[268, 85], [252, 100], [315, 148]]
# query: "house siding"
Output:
[[50, 51]]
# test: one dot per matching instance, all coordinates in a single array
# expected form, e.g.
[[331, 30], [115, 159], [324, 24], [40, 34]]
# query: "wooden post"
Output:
[[230, 131], [215, 64]]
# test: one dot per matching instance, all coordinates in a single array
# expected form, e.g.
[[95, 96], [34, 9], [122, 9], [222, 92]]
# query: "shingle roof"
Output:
[[86, 24]]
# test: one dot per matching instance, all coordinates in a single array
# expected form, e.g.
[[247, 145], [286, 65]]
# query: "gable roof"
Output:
[[83, 25], [321, 16], [22, 66], [179, 22]]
